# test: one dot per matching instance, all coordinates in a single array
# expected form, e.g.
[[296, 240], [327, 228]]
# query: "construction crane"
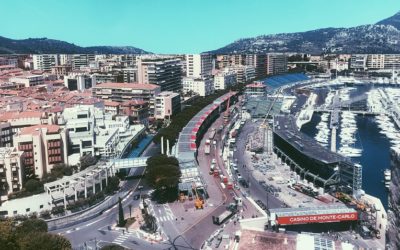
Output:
[[198, 203], [227, 112], [264, 125]]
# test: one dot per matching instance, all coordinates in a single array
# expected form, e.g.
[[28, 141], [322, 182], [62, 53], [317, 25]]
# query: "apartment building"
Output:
[[375, 61], [276, 64], [167, 104], [61, 70], [6, 135], [244, 73], [121, 92], [43, 146], [198, 65], [259, 62], [79, 81], [11, 169], [165, 72], [358, 62], [200, 86], [19, 120], [392, 61], [137, 110], [45, 62], [224, 79], [28, 80], [81, 60], [130, 75]]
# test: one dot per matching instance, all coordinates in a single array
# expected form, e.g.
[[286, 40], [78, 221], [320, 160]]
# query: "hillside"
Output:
[[49, 46], [382, 37]]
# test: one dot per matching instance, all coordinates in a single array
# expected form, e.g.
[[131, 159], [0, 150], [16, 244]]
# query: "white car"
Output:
[[213, 161]]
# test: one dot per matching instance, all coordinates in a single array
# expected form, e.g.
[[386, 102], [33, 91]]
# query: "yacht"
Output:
[[388, 177]]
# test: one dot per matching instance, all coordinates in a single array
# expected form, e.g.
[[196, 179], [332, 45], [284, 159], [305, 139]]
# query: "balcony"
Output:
[[15, 178], [1, 170], [3, 180], [15, 186], [14, 168]]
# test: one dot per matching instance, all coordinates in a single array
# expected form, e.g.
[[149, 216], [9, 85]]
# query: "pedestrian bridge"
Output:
[[129, 162]]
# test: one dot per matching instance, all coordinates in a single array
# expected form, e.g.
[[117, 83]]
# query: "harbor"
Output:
[[364, 132]]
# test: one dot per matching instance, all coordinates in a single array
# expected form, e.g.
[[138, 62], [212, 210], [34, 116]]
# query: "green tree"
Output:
[[42, 240], [31, 225], [7, 236], [113, 185], [112, 247], [33, 186], [121, 220], [163, 172]]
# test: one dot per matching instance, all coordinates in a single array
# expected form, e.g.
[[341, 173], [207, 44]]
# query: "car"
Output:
[[136, 197], [140, 187], [213, 161], [239, 176], [214, 142]]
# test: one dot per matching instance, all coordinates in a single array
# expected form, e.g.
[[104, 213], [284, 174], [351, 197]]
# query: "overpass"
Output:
[[129, 163]]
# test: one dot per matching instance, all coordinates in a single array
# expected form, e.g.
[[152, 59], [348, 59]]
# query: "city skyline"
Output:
[[191, 27]]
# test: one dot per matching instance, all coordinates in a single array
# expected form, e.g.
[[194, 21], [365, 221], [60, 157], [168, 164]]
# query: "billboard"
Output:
[[304, 219]]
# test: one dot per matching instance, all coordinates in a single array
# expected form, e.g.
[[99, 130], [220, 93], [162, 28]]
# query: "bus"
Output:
[[218, 220]]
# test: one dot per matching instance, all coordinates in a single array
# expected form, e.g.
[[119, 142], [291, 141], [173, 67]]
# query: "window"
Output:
[[41, 206]]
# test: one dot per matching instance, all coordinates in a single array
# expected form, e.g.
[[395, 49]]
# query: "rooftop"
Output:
[[50, 129], [300, 211], [285, 127], [121, 85]]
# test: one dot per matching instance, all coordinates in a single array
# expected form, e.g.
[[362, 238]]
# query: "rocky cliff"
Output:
[[393, 229]]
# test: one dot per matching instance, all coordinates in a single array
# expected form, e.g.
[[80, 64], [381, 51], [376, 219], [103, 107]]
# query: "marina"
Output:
[[366, 139]]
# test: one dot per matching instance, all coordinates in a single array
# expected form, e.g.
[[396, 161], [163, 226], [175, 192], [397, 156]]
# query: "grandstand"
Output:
[[277, 81], [258, 106]]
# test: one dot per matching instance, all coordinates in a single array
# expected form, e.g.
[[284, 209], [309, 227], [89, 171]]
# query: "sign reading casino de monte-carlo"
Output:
[[320, 218]]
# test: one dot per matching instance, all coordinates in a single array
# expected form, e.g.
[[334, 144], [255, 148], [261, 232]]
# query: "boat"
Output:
[[388, 177]]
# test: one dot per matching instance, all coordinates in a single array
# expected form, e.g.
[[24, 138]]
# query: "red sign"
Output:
[[304, 219]]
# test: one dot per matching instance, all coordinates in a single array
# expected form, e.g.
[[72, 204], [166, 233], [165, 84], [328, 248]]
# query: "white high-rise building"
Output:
[[224, 79], [201, 86], [44, 62], [199, 65]]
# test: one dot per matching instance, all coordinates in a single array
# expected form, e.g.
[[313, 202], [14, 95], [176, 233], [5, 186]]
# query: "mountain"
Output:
[[382, 37], [393, 20], [49, 46]]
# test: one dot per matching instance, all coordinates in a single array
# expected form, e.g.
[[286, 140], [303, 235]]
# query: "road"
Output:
[[255, 190], [98, 230]]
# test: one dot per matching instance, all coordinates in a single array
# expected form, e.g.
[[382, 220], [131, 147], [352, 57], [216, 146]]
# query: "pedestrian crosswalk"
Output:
[[164, 218], [124, 236], [164, 213]]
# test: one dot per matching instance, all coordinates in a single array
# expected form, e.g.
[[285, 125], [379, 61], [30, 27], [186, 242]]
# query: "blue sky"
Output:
[[180, 26]]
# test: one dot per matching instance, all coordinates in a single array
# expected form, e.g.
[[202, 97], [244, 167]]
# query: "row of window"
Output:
[[55, 159], [24, 147], [54, 151]]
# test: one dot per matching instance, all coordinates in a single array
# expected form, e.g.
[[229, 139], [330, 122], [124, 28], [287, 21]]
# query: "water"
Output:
[[375, 157]]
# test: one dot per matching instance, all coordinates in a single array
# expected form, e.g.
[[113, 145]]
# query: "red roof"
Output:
[[51, 129], [193, 146]]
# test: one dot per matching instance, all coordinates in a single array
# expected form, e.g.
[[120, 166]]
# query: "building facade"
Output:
[[43, 146], [200, 86], [11, 168], [199, 65], [165, 72], [45, 61], [224, 79], [167, 104]]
